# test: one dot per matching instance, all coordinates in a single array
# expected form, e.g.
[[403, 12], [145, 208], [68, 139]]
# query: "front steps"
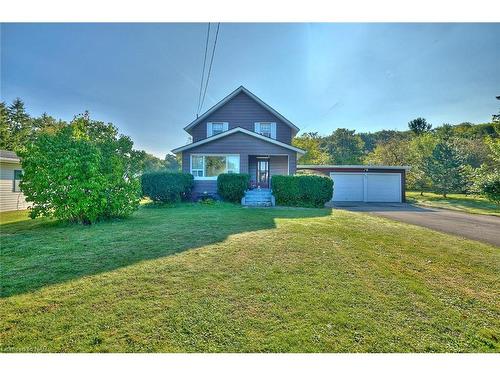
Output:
[[258, 198]]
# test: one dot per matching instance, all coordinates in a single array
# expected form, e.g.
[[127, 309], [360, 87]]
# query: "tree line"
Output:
[[18, 129], [462, 158]]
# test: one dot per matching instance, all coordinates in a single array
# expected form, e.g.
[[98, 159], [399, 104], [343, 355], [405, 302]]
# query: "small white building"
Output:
[[11, 197]]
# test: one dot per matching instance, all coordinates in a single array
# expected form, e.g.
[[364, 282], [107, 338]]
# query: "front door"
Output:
[[263, 173]]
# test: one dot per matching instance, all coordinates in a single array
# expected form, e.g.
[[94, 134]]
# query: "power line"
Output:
[[203, 72], [210, 66]]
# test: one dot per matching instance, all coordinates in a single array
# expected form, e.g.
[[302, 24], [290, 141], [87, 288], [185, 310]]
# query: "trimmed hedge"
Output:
[[302, 191], [231, 186], [167, 187]]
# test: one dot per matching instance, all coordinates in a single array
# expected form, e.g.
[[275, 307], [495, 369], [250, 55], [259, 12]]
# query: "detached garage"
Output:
[[363, 183]]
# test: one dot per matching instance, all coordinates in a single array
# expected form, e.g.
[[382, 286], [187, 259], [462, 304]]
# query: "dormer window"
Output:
[[267, 129], [214, 128]]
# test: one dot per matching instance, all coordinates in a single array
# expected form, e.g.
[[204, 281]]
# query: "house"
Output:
[[11, 197], [240, 134]]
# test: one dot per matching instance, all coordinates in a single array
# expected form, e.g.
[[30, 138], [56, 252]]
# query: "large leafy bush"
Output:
[[231, 186], [82, 172], [167, 187], [490, 187], [304, 191]]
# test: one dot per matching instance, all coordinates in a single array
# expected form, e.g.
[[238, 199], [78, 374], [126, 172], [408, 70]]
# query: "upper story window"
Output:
[[267, 129], [214, 128], [18, 175]]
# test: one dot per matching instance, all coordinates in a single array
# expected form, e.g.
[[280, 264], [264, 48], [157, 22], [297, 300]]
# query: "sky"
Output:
[[145, 78]]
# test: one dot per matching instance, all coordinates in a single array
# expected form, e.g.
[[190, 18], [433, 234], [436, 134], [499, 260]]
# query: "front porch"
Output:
[[261, 168]]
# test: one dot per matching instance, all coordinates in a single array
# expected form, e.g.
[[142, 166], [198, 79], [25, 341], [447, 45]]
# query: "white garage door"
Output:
[[348, 187], [366, 187], [383, 187]]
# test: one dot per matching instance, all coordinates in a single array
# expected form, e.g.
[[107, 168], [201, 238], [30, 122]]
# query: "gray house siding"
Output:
[[284, 160], [242, 111]]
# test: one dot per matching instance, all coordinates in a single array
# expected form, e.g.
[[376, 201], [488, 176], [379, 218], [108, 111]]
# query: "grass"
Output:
[[460, 202], [223, 278]]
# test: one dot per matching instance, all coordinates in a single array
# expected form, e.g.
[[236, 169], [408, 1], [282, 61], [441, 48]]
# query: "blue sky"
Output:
[[145, 77]]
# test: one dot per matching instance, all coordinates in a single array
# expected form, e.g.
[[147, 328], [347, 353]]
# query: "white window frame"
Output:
[[210, 128], [272, 129], [211, 178], [197, 169]]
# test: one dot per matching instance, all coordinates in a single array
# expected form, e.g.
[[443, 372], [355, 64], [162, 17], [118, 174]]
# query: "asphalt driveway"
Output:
[[477, 227]]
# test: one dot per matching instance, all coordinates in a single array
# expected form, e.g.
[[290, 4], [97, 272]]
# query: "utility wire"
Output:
[[203, 72], [210, 66]]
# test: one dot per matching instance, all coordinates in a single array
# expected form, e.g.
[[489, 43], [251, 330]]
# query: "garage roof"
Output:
[[327, 166]]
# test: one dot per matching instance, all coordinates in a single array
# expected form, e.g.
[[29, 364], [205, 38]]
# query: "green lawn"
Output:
[[459, 202], [226, 278]]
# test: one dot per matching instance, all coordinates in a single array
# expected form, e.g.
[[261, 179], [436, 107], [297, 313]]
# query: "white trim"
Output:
[[231, 96], [10, 160], [235, 130], [288, 164], [352, 166], [211, 178], [210, 127], [272, 128]]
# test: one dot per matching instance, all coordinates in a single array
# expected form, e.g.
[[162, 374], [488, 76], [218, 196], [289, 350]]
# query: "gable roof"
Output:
[[236, 130], [231, 96], [9, 156]]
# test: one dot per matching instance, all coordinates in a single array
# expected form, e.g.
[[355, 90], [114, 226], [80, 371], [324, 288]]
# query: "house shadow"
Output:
[[39, 253]]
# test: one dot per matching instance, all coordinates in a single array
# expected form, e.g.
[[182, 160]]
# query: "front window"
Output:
[[18, 175], [197, 166], [265, 129], [217, 128], [210, 166]]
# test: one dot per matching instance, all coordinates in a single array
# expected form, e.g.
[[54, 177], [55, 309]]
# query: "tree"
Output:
[[311, 144], [19, 124], [83, 172], [172, 163], [496, 118], [344, 147], [487, 177], [419, 126], [420, 149], [5, 138], [392, 152], [150, 163], [46, 123], [444, 168], [371, 140]]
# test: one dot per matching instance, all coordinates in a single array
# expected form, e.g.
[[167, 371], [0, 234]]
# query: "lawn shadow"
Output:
[[39, 253], [379, 207]]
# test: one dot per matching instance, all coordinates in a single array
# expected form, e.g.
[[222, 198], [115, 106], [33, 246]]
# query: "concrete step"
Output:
[[248, 201], [258, 204]]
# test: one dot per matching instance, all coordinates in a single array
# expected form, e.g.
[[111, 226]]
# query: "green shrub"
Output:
[[167, 187], [302, 191], [231, 186], [490, 188], [82, 172]]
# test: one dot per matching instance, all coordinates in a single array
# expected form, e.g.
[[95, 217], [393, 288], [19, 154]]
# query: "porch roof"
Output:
[[236, 130]]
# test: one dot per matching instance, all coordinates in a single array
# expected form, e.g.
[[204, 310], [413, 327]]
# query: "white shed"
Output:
[[11, 196]]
